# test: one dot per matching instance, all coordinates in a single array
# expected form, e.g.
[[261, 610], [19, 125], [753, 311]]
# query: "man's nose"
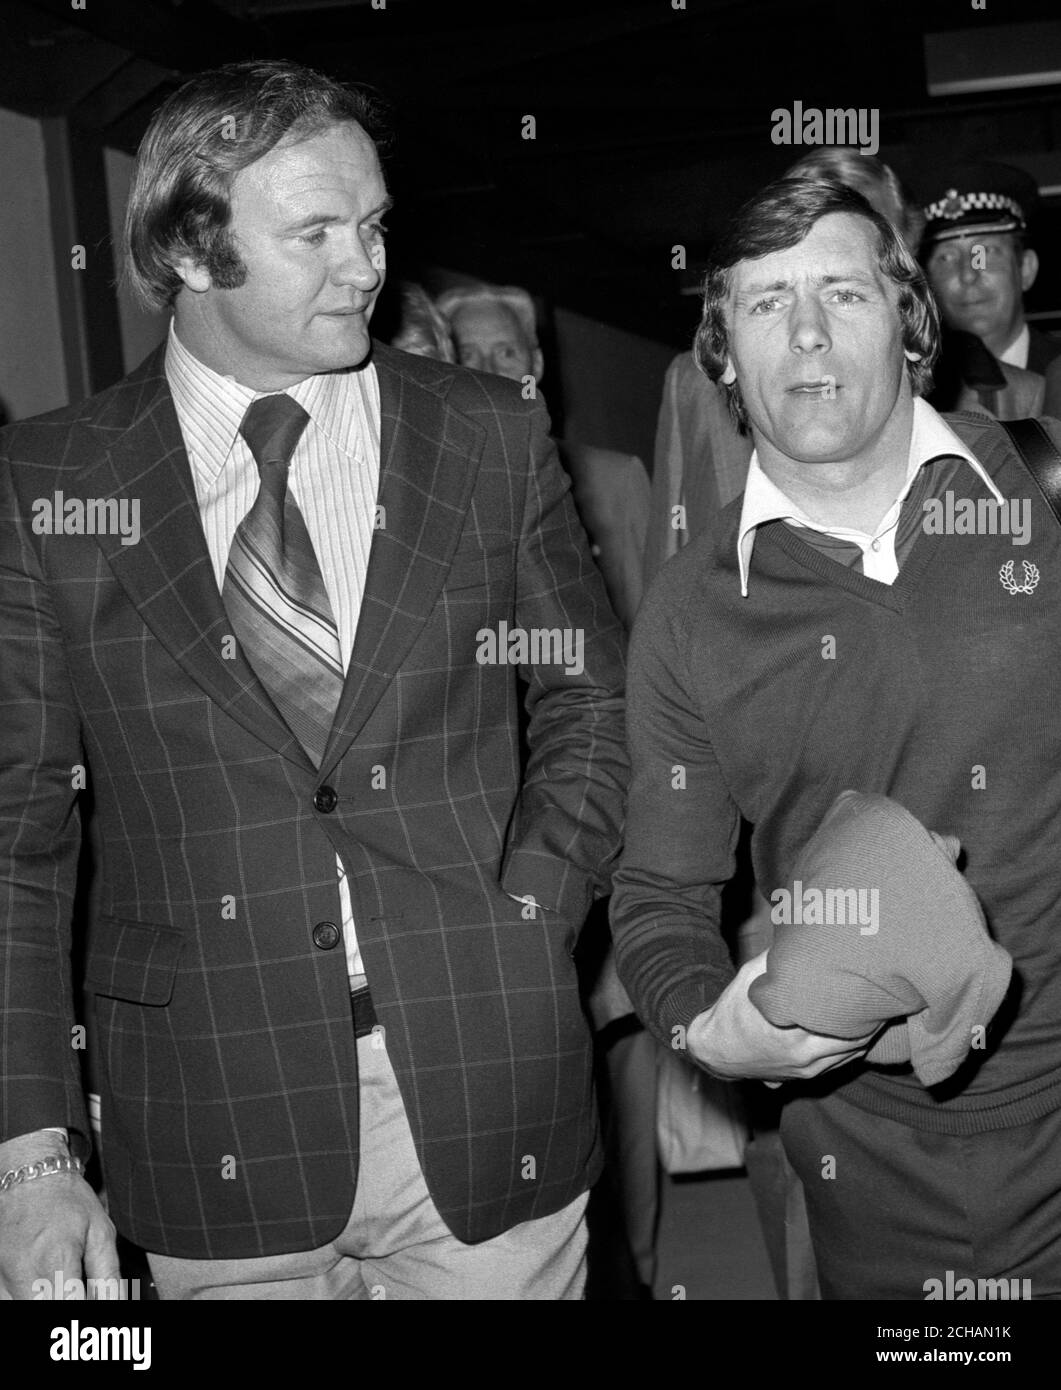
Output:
[[360, 265], [968, 270], [808, 330]]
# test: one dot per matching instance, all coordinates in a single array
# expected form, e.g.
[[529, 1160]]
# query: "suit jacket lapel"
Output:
[[168, 574], [429, 459]]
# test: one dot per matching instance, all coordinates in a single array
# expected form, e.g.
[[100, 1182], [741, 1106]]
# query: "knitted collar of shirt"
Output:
[[930, 438], [211, 407]]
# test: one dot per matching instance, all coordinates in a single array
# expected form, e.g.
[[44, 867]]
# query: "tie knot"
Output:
[[272, 427]]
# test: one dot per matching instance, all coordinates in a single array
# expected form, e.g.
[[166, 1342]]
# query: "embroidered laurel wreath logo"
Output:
[[1031, 578]]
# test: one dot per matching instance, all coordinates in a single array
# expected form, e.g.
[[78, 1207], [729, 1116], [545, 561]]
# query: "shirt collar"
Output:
[[930, 438], [1017, 352], [329, 401], [211, 407]]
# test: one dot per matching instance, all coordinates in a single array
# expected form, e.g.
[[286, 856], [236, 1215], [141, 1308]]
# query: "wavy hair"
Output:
[[875, 180], [511, 297], [778, 218], [199, 139]]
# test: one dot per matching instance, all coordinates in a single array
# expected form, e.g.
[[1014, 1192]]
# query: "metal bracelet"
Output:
[[43, 1168]]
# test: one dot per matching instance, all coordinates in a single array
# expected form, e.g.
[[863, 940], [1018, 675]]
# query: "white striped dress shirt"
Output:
[[334, 478]]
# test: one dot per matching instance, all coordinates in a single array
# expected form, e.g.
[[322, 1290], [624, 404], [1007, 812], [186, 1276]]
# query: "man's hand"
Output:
[[733, 1040], [50, 1224]]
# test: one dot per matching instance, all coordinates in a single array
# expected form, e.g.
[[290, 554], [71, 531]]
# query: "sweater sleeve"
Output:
[[682, 831]]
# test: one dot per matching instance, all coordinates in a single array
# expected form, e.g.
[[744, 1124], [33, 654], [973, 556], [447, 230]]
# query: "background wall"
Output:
[[32, 375], [612, 384], [603, 385]]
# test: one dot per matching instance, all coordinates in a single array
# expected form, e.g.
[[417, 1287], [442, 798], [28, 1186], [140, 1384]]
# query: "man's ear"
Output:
[[195, 275], [729, 376], [1029, 269]]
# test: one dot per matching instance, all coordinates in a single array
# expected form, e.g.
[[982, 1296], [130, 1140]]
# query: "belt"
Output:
[[364, 1012]]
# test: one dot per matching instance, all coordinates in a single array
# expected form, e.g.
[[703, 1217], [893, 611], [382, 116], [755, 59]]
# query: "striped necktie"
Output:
[[273, 591]]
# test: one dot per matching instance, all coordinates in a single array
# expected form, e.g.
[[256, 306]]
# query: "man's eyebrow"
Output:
[[315, 219], [762, 286], [323, 219], [857, 277]]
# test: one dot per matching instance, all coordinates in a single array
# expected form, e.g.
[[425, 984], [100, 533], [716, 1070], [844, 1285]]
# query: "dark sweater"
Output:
[[940, 682]]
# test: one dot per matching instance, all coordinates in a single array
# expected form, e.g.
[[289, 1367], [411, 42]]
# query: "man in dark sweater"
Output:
[[875, 613]]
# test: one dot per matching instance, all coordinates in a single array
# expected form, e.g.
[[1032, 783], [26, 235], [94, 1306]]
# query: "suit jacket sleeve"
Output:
[[40, 834], [565, 835]]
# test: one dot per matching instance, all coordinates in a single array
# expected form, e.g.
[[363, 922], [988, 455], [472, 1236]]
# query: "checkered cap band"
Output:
[[954, 205]]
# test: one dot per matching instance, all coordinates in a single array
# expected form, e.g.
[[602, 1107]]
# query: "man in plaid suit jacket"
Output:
[[251, 1143]]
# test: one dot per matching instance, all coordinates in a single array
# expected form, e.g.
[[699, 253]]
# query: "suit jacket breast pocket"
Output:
[[136, 961]]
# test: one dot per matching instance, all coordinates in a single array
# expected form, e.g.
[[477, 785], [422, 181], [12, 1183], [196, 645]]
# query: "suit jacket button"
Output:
[[326, 936], [326, 799]]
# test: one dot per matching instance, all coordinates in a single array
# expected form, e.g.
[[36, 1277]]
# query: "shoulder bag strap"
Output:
[[1040, 456]]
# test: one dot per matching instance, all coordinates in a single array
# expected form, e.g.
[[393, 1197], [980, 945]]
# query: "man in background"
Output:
[[421, 329], [979, 264], [495, 330]]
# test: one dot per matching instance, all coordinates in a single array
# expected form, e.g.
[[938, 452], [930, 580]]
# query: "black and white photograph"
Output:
[[530, 670]]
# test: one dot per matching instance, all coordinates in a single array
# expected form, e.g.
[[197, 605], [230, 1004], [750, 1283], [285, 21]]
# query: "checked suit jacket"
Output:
[[227, 1059]]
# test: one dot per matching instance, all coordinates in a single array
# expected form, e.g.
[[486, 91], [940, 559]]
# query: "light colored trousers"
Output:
[[395, 1245]]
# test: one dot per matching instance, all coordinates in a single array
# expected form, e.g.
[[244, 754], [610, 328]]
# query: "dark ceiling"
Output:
[[651, 123]]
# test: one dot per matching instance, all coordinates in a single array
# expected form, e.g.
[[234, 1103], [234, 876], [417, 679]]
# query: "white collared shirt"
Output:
[[930, 438], [334, 478], [1017, 352]]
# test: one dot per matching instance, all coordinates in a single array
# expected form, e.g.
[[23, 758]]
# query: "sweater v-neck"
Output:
[[892, 596]]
